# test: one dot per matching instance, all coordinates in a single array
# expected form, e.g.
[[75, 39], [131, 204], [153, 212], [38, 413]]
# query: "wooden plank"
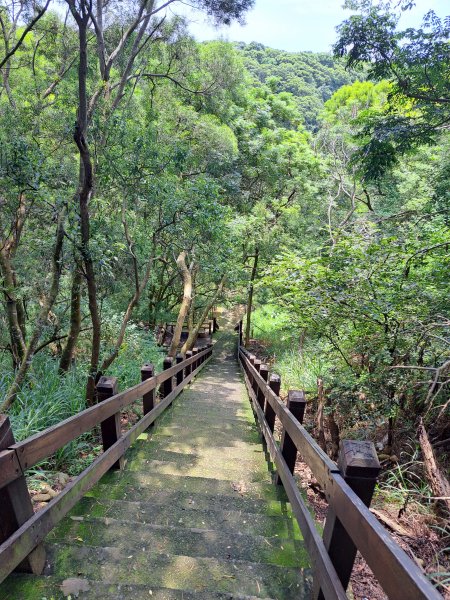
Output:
[[359, 465], [47, 442], [397, 573], [16, 508], [324, 570], [318, 461], [9, 467], [19, 545]]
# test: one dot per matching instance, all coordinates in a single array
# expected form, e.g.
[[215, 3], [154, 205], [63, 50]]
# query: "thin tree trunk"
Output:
[[320, 416], [250, 297], [85, 188], [186, 276], [17, 341], [107, 362], [75, 320], [189, 343], [47, 304], [437, 480]]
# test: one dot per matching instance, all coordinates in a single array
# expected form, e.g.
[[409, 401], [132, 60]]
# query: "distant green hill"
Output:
[[311, 77]]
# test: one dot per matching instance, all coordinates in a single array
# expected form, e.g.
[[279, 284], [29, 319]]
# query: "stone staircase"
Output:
[[193, 515]]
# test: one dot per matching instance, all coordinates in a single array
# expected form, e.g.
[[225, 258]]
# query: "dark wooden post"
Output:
[[264, 372], [188, 369], [110, 427], [148, 399], [359, 465], [275, 386], [257, 367], [251, 360], [166, 387], [296, 403], [209, 327], [179, 376], [195, 351], [16, 507]]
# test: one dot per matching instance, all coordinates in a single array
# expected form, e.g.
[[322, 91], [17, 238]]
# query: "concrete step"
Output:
[[236, 522], [37, 588], [196, 485], [161, 539], [113, 565], [187, 500]]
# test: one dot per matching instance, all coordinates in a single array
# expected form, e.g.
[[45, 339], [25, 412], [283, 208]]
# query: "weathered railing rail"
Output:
[[348, 487], [22, 531]]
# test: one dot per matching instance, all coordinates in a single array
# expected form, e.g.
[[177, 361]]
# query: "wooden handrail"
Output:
[[22, 542], [396, 572], [45, 443]]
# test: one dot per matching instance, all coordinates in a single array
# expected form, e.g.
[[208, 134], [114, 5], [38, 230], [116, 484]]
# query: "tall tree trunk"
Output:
[[75, 320], [186, 275], [85, 188], [46, 306], [189, 343], [250, 297]]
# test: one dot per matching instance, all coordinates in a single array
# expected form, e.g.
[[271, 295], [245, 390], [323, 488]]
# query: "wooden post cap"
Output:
[[148, 370], [275, 383], [179, 358], [358, 459], [257, 364], [264, 371], [107, 385], [296, 403]]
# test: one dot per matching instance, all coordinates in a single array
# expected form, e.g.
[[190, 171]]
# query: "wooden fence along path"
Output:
[[196, 509]]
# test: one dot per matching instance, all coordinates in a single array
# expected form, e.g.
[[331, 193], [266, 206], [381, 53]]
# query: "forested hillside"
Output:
[[311, 77], [147, 178]]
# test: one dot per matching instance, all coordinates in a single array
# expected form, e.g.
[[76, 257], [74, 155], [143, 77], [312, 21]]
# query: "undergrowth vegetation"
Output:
[[47, 398]]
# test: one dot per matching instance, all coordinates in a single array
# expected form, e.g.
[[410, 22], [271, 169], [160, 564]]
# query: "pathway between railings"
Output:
[[193, 514]]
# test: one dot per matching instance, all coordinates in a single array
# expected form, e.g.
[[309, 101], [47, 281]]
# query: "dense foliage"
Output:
[[142, 174]]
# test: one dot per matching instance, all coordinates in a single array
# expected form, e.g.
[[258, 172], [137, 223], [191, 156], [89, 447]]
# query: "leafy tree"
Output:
[[415, 62]]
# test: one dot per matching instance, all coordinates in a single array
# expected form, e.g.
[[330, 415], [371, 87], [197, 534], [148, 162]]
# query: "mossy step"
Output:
[[32, 587], [209, 458], [196, 485], [229, 472], [208, 437], [236, 522], [114, 566], [183, 499], [161, 539]]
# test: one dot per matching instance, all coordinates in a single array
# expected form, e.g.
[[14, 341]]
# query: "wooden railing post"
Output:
[[188, 369], [110, 427], [167, 386], [251, 360], [16, 507], [179, 375], [148, 399], [269, 413], [359, 465], [257, 366], [195, 351], [296, 403], [264, 372]]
